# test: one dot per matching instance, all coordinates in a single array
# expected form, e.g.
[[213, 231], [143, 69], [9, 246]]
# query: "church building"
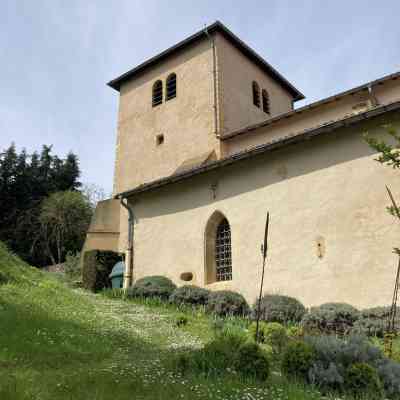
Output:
[[209, 141]]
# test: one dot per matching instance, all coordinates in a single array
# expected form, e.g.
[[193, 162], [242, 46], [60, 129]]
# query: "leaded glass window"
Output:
[[223, 252]]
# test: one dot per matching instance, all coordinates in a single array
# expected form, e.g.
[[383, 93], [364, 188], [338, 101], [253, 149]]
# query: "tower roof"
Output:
[[215, 27]]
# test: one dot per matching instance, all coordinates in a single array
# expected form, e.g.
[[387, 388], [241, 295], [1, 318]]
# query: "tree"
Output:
[[25, 180], [64, 219], [94, 193]]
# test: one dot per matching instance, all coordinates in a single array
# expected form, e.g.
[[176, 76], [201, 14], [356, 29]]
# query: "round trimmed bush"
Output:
[[298, 359], [272, 333], [152, 286], [282, 309], [226, 302], [363, 379], [252, 361], [189, 294], [337, 318]]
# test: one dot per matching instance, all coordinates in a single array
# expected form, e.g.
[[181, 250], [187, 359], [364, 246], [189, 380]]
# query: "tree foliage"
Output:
[[25, 181], [64, 219], [389, 154]]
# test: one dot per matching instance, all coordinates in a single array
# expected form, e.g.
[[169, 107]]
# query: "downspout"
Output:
[[214, 52], [128, 274], [372, 96]]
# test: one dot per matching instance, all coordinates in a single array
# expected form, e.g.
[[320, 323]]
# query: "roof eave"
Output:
[[261, 149], [216, 26]]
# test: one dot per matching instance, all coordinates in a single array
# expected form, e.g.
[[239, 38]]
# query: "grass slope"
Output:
[[63, 343]]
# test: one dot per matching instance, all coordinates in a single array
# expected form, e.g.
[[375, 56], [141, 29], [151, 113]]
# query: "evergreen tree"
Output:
[[25, 181]]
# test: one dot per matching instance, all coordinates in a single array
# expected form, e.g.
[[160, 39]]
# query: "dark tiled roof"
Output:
[[263, 148], [215, 27]]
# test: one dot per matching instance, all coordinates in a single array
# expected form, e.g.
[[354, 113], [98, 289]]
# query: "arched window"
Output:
[[256, 94], [157, 93], [223, 252], [171, 86], [218, 249], [265, 101]]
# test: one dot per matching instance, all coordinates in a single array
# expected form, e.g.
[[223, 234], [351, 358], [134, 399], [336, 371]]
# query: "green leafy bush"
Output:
[[97, 266], [189, 294], [252, 361], [362, 379], [277, 308], [226, 327], [295, 332], [272, 333], [337, 318], [226, 354], [373, 321], [152, 286], [225, 303], [72, 266], [297, 359]]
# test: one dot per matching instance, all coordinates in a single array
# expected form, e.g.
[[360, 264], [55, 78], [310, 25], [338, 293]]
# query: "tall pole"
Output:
[[264, 249]]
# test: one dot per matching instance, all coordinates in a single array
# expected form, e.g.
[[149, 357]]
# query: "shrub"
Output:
[[333, 357], [261, 331], [343, 353], [189, 294], [272, 333], [298, 359], [97, 266], [373, 321], [152, 286], [225, 302], [72, 265], [389, 373], [295, 332], [362, 379], [252, 361], [337, 318], [327, 378], [277, 308], [225, 354]]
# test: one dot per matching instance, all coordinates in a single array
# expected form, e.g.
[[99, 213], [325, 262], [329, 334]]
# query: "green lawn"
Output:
[[63, 343]]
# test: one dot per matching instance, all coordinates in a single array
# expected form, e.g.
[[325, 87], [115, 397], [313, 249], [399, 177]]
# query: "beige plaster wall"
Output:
[[311, 118], [103, 232], [327, 190], [236, 74], [187, 121]]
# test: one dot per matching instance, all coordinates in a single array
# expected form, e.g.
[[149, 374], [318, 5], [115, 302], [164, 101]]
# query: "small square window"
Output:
[[159, 139]]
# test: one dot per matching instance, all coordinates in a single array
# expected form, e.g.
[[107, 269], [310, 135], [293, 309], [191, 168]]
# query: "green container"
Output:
[[117, 275]]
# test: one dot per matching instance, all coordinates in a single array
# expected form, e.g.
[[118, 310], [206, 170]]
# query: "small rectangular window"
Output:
[[159, 140]]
